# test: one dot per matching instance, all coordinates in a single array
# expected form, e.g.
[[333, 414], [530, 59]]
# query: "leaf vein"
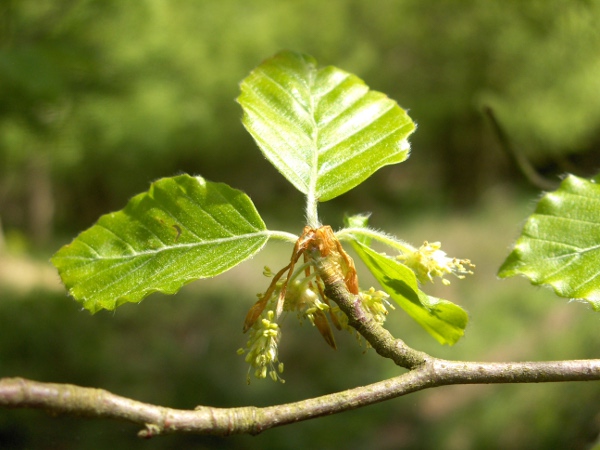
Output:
[[174, 247]]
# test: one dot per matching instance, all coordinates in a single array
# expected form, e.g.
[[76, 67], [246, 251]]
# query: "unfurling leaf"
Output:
[[560, 242], [182, 229], [442, 319], [323, 129]]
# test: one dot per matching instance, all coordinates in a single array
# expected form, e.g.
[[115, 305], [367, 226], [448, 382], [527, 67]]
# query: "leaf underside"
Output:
[[560, 243], [182, 229], [442, 319], [323, 129]]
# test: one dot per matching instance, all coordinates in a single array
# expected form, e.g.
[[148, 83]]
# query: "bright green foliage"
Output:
[[323, 129], [444, 320], [560, 243], [182, 229], [326, 132]]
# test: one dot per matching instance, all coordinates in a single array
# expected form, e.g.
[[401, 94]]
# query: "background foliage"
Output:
[[98, 98]]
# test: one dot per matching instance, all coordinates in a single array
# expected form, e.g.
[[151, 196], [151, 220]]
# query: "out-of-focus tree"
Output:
[[145, 89], [536, 63], [47, 65]]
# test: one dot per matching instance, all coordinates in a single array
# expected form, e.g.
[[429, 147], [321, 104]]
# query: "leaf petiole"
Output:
[[282, 236], [355, 233]]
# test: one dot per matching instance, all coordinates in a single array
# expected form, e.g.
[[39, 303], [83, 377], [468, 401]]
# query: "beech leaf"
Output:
[[323, 129], [182, 229], [560, 242]]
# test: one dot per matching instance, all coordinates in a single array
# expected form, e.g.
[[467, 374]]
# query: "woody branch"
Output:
[[424, 372]]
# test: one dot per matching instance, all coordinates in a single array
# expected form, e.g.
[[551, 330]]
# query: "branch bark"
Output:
[[424, 372], [156, 420]]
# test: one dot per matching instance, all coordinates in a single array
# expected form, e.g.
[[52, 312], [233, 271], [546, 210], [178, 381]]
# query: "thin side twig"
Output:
[[517, 157]]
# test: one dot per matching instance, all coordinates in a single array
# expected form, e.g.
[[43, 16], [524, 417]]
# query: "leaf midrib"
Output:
[[170, 248]]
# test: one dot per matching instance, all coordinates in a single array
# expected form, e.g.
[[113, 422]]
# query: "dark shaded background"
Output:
[[99, 98]]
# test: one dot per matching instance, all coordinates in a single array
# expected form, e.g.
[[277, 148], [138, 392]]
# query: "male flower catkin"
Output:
[[262, 348], [429, 261], [301, 291]]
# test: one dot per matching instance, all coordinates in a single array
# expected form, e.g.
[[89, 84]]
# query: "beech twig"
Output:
[[518, 158]]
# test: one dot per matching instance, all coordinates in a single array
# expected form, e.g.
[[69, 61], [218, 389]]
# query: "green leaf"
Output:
[[442, 319], [323, 129], [560, 242], [182, 229]]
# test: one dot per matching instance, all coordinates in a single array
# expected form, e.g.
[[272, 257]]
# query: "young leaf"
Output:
[[182, 229], [442, 319], [323, 129], [560, 242]]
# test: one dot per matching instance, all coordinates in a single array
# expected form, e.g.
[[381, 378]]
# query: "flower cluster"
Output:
[[304, 296], [428, 261], [298, 287], [262, 348], [375, 302]]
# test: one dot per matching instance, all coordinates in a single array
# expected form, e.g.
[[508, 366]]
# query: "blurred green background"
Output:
[[100, 97]]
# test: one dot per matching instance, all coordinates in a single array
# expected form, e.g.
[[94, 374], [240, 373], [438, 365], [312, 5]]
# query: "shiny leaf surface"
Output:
[[182, 229], [560, 242], [323, 129]]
